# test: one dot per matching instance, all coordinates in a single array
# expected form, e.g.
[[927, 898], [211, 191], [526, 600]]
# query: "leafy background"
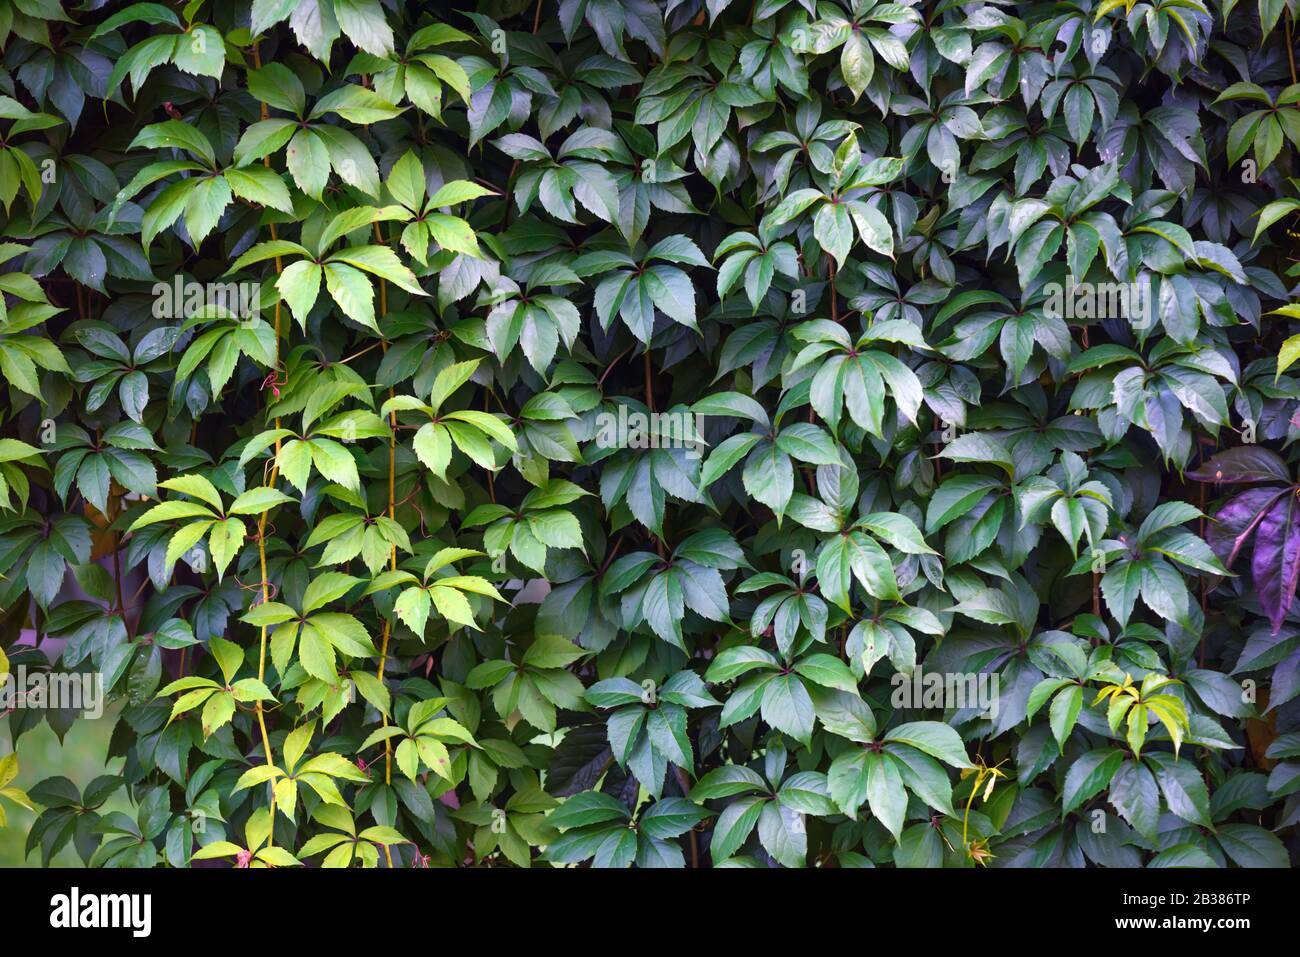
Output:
[[366, 585]]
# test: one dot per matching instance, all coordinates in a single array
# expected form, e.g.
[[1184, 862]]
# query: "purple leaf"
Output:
[[1237, 519], [1246, 463], [1276, 562]]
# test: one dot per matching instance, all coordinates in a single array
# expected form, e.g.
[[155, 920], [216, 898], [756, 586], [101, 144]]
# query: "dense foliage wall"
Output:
[[788, 432]]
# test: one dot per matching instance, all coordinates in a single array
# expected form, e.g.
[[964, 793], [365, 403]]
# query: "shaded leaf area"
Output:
[[577, 433]]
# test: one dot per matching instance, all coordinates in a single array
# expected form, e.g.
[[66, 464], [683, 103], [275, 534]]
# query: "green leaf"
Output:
[[935, 739]]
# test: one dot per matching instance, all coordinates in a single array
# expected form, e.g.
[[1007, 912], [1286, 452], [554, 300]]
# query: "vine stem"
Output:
[[270, 483], [650, 404], [685, 785], [1290, 47], [649, 391], [117, 564], [830, 275], [1205, 588], [600, 383], [811, 474], [392, 549], [491, 482]]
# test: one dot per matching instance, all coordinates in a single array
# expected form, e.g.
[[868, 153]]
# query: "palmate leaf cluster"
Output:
[[368, 577]]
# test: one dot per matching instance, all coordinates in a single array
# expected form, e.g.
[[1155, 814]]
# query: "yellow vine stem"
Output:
[[982, 773], [270, 482], [392, 549]]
